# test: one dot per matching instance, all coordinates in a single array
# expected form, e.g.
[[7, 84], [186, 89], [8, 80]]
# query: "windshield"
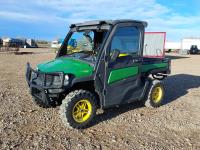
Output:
[[81, 41], [84, 45]]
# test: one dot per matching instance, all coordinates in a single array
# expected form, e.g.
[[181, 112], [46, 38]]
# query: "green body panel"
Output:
[[119, 74], [148, 67], [67, 65], [82, 69]]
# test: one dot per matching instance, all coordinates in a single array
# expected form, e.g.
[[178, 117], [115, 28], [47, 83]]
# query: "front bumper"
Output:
[[39, 88]]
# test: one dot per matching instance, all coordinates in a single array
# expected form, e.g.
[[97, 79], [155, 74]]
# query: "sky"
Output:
[[50, 19]]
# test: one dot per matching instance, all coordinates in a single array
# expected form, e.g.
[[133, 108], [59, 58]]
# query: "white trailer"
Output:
[[172, 46], [188, 42], [55, 44], [154, 43]]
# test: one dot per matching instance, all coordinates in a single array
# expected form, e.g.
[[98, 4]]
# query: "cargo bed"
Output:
[[155, 65]]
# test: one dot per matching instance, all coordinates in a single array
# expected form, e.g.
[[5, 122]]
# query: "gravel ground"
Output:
[[175, 125]]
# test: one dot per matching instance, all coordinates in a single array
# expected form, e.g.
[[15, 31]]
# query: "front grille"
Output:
[[45, 80]]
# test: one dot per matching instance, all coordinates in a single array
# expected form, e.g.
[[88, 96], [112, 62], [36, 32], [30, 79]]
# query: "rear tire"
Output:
[[78, 109], [155, 94]]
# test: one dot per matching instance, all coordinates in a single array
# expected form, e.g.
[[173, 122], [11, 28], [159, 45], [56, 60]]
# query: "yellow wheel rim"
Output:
[[82, 111], [157, 94]]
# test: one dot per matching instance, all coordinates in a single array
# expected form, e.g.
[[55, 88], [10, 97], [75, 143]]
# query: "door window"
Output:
[[126, 40]]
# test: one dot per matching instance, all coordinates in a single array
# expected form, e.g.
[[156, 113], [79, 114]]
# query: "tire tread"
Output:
[[66, 104]]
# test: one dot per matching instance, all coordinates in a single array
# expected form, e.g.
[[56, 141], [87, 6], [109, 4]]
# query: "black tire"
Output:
[[67, 108], [150, 101]]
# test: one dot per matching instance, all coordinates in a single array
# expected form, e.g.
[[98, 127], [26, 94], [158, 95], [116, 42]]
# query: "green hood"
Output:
[[68, 66]]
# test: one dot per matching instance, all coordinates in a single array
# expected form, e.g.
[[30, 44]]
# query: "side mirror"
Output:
[[114, 55]]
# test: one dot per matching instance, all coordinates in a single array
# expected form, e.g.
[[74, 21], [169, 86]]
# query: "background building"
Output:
[[19, 42]]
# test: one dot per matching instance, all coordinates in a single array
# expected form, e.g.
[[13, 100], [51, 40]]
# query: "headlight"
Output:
[[66, 80], [57, 80], [53, 80]]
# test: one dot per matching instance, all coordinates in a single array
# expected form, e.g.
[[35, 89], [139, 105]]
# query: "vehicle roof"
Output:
[[109, 22]]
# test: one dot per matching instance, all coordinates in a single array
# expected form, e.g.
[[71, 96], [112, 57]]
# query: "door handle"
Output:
[[136, 60]]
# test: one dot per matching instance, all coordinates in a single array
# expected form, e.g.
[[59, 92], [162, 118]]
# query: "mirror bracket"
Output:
[[114, 55]]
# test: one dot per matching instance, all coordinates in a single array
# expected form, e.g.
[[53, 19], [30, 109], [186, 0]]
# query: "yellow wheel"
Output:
[[82, 110], [78, 109], [155, 95]]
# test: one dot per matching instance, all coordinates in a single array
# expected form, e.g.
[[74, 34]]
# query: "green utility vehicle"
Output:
[[104, 67]]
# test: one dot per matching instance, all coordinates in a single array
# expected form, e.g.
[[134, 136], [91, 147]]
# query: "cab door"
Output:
[[123, 76]]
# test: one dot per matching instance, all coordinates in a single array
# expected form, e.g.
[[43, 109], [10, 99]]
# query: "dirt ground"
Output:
[[175, 125]]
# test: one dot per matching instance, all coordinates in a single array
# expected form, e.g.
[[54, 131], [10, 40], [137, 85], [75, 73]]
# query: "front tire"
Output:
[[78, 109], [155, 95]]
